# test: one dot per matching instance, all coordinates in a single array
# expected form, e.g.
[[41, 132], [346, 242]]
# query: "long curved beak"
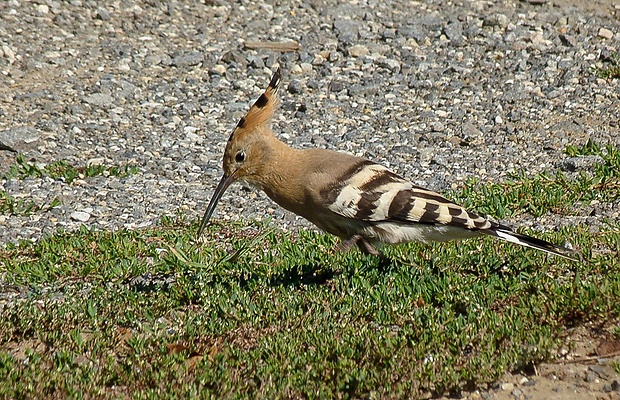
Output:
[[219, 191]]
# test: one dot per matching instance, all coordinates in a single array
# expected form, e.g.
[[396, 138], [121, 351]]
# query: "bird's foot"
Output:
[[362, 244]]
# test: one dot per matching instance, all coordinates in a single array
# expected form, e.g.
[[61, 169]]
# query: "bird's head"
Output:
[[246, 147]]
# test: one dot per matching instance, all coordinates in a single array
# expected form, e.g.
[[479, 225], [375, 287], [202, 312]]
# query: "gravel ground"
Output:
[[438, 91]]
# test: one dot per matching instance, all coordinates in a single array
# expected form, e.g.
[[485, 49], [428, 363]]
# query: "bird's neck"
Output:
[[280, 173]]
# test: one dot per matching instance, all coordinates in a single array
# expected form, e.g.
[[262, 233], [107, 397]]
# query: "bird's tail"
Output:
[[509, 235]]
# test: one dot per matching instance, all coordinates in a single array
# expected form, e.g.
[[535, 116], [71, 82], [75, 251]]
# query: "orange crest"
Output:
[[261, 111]]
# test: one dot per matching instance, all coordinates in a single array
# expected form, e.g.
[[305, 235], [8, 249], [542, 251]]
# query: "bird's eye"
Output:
[[240, 157]]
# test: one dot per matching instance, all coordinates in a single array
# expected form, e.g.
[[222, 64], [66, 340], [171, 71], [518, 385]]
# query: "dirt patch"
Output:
[[585, 368]]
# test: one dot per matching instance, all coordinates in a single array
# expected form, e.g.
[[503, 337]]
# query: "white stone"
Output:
[[358, 50], [605, 33], [219, 69], [80, 216], [9, 54]]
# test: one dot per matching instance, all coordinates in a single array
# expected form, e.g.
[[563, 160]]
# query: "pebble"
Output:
[[507, 386], [8, 53], [80, 216], [358, 50], [605, 33], [499, 20], [99, 99], [218, 69]]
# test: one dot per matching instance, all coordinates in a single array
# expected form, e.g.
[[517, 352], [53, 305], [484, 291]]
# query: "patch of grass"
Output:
[[610, 68], [544, 193], [65, 171], [256, 312], [12, 206]]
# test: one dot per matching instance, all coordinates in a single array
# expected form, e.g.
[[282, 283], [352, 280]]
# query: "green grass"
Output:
[[255, 312], [611, 68], [546, 193], [64, 171], [60, 170]]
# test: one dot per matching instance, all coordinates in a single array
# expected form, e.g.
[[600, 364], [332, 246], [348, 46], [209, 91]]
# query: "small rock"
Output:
[[218, 69], [605, 33], [601, 370], [43, 8], [358, 50], [188, 59], [523, 380], [80, 216], [507, 386], [454, 32], [9, 54], [537, 38], [336, 86], [392, 64], [99, 99], [295, 87], [516, 393], [25, 134], [363, 90], [499, 20], [347, 30]]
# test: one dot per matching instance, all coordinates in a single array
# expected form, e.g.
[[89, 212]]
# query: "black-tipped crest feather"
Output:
[[262, 110]]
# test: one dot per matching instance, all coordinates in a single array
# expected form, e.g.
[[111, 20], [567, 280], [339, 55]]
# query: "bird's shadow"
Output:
[[305, 274], [316, 274]]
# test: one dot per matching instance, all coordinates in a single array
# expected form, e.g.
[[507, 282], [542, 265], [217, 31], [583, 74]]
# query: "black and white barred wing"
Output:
[[399, 211], [370, 192]]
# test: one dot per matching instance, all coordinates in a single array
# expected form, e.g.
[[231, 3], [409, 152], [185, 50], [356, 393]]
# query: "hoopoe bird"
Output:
[[361, 202]]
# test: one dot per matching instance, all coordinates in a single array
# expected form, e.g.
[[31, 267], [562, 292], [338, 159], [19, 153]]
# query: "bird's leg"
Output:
[[366, 247], [346, 245], [362, 244]]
